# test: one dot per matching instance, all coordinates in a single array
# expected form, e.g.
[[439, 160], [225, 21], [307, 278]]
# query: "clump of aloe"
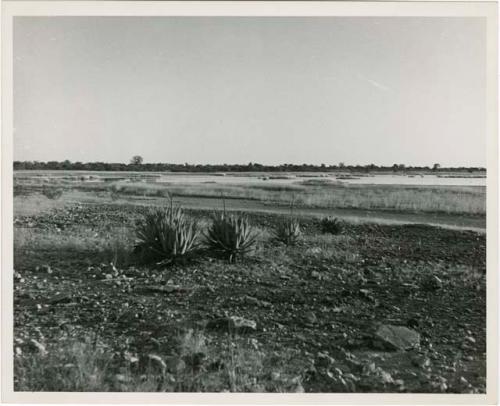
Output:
[[230, 235], [166, 234]]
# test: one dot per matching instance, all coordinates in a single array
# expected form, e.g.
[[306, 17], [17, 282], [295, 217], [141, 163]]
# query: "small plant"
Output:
[[230, 236], [166, 234], [331, 225], [287, 231], [51, 193]]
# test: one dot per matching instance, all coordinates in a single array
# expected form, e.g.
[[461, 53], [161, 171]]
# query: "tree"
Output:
[[136, 160], [436, 167]]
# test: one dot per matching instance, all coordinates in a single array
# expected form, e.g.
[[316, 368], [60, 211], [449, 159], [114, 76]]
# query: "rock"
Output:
[[121, 378], [257, 302], [396, 337], [323, 360], [432, 282], [243, 326], [385, 377], [38, 347], [471, 339], [157, 363], [295, 385], [413, 322], [311, 318], [61, 298], [175, 364], [232, 324], [130, 358], [421, 362]]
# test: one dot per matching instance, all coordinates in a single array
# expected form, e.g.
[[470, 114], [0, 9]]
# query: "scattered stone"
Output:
[[323, 360], [421, 362], [61, 298], [257, 302], [121, 378], [397, 337], [130, 358], [311, 318], [44, 268], [471, 339], [175, 364], [38, 347], [234, 324], [385, 377], [432, 283], [243, 326], [366, 294], [156, 362], [296, 385]]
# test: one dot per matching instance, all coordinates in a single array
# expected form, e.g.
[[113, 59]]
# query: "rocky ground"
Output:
[[374, 309]]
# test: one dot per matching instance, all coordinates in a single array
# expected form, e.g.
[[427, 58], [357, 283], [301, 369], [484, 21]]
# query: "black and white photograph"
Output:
[[253, 203]]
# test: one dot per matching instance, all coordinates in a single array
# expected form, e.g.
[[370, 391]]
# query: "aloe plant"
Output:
[[287, 231], [331, 225], [230, 235], [166, 234]]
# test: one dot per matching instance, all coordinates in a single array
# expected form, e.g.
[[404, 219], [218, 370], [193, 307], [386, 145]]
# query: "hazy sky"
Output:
[[236, 90]]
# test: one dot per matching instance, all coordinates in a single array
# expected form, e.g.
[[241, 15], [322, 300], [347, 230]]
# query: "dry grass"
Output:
[[112, 246], [86, 364], [443, 199]]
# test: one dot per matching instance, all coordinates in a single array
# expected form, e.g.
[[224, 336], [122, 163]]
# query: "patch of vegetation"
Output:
[[287, 231], [230, 235], [52, 193], [331, 225], [165, 235]]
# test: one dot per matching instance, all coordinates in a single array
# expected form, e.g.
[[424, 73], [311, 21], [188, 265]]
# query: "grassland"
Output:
[[309, 193], [89, 316]]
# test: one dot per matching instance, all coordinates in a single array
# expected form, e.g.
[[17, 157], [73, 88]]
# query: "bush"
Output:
[[166, 234], [52, 193], [230, 236], [287, 231], [331, 225]]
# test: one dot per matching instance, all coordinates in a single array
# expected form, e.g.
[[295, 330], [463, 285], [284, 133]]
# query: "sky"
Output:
[[270, 90]]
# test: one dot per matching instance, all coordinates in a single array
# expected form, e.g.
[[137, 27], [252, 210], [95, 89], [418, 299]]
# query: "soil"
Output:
[[316, 306]]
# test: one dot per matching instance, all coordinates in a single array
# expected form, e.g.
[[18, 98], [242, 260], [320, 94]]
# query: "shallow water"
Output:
[[254, 178], [425, 180]]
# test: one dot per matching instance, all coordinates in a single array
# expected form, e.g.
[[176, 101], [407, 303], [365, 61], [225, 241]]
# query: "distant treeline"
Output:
[[250, 167]]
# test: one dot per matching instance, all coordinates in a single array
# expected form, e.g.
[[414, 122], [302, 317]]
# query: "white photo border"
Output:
[[10, 9]]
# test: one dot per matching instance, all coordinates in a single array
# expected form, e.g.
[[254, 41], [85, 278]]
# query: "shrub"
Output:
[[52, 193], [230, 236], [331, 225], [166, 234], [287, 231]]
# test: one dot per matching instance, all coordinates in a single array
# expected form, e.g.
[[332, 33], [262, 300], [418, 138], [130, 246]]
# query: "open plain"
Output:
[[392, 300]]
